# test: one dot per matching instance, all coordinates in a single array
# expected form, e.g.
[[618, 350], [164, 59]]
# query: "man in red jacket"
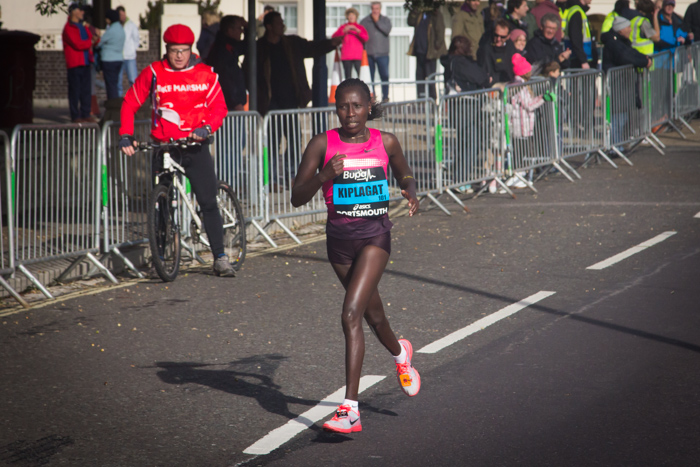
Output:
[[77, 49], [187, 103]]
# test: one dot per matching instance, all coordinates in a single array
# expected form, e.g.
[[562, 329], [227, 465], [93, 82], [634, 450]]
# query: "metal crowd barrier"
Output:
[[238, 150], [472, 139], [285, 135], [685, 82], [56, 197], [626, 115], [580, 109], [415, 124], [405, 91], [658, 93], [530, 129], [7, 263], [126, 185]]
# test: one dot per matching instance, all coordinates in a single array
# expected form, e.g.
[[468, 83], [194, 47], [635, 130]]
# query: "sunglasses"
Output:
[[498, 36]]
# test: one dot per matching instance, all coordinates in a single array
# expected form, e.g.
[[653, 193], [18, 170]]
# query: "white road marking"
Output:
[[697, 216], [327, 406], [484, 322], [635, 249]]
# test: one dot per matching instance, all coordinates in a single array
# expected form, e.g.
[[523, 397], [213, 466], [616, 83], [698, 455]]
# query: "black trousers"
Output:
[[199, 169], [79, 89], [425, 68]]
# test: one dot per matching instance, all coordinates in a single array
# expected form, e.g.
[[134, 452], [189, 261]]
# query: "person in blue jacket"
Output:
[[111, 52], [672, 35]]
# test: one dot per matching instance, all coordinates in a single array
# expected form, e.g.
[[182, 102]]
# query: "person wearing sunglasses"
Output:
[[495, 55]]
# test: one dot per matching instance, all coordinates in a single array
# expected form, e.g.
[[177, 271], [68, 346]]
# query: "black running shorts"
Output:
[[345, 251]]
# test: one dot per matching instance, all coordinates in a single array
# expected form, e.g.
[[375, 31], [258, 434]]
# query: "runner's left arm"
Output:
[[402, 172]]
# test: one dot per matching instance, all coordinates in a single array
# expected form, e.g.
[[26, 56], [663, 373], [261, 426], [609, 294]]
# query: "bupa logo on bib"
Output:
[[361, 193]]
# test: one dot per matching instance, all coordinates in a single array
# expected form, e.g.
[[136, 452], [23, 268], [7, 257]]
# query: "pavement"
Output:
[[556, 363]]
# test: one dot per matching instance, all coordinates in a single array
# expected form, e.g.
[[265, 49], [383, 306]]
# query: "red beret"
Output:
[[178, 34]]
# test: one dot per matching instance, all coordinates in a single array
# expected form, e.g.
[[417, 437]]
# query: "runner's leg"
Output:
[[362, 300]]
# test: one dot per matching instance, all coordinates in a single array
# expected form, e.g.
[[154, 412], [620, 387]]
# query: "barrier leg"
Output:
[[288, 232], [192, 252], [682, 120], [70, 268], [621, 156], [562, 171], [102, 268], [34, 281], [129, 265], [605, 156], [12, 292], [457, 200], [436, 203], [678, 130], [568, 166], [654, 143], [264, 234], [526, 181]]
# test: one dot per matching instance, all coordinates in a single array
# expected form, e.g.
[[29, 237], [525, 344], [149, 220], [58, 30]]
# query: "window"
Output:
[[398, 16], [290, 17], [335, 17]]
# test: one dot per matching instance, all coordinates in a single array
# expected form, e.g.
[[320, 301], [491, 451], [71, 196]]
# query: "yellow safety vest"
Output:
[[607, 24], [643, 45], [566, 19]]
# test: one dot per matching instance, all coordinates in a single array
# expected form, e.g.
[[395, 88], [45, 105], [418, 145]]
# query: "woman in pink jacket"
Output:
[[354, 38]]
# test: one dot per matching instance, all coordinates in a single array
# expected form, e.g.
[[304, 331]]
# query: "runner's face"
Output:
[[352, 109]]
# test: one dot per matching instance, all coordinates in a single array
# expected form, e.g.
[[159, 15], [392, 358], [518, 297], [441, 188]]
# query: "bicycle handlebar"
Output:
[[178, 143]]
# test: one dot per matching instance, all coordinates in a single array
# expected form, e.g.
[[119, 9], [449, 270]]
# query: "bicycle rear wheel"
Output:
[[163, 232], [234, 225]]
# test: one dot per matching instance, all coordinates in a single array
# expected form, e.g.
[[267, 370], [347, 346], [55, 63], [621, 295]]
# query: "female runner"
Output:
[[350, 164]]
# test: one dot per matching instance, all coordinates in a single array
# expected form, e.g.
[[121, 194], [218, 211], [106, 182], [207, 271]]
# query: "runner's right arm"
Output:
[[312, 174]]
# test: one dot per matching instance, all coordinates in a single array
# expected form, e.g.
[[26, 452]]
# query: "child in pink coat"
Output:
[[354, 38]]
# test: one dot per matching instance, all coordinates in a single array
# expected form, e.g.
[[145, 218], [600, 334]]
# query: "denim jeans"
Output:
[[382, 63], [110, 71], [128, 66]]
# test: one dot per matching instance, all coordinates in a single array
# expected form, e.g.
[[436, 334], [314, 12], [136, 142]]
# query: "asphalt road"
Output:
[[601, 371]]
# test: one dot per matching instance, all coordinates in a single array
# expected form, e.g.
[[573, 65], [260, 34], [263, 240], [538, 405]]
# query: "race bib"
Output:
[[361, 193]]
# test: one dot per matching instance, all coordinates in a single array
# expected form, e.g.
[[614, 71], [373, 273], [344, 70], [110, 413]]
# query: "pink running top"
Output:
[[361, 193]]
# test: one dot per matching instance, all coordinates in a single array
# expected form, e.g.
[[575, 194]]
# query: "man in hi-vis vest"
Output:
[[577, 34]]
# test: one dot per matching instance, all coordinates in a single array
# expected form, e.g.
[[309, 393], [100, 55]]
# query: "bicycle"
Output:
[[166, 219]]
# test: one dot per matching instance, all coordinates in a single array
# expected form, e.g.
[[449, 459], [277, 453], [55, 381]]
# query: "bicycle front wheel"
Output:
[[163, 232], [234, 225]]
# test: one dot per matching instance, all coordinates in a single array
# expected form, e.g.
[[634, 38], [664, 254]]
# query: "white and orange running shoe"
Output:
[[408, 377], [345, 420]]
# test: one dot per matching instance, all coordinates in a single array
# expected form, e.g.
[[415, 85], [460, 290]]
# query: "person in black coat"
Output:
[[495, 56], [228, 46], [460, 69], [544, 48]]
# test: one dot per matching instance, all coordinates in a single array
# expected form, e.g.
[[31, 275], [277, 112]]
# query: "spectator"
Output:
[[643, 34], [619, 52], [462, 73], [521, 116], [259, 26], [577, 34], [131, 44], [427, 46], [622, 8], [210, 26], [491, 14], [88, 23], [378, 28], [671, 29], [468, 22], [551, 70], [77, 50], [541, 8], [354, 37], [515, 15], [544, 47], [519, 39], [282, 83], [111, 53], [495, 56], [224, 54], [691, 21]]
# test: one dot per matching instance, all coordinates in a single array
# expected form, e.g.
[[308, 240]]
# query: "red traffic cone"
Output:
[[335, 77]]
